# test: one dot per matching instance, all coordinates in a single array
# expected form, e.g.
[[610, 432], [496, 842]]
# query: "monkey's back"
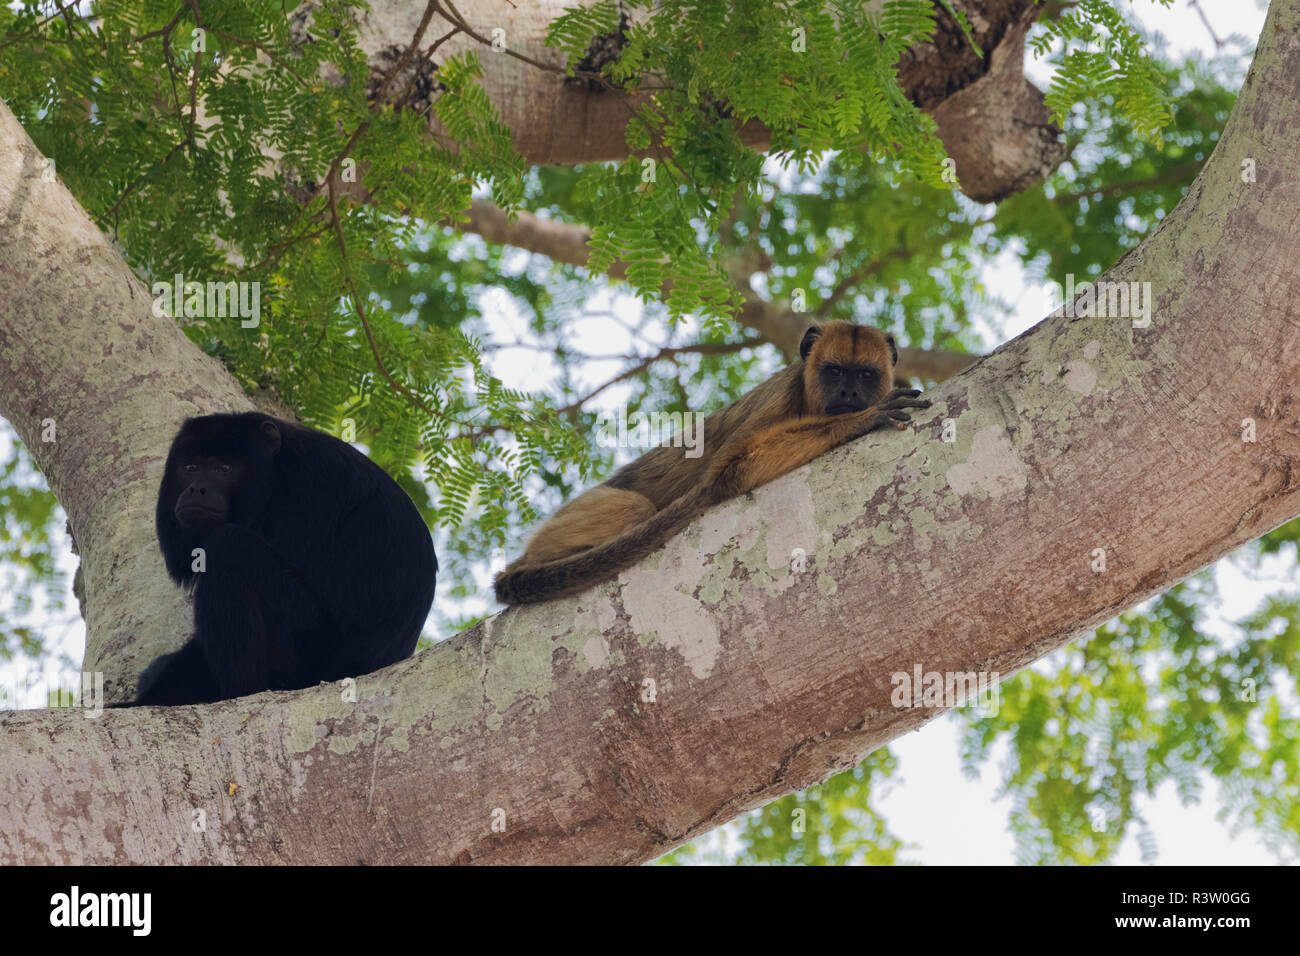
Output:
[[665, 473]]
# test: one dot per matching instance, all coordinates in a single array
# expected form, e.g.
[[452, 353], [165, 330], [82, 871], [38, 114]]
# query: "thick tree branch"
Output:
[[999, 134]]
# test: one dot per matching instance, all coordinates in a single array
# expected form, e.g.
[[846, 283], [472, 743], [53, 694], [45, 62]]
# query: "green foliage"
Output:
[[820, 76], [1116, 184], [903, 255], [1152, 698], [573, 31], [111, 97], [28, 514], [1108, 61], [960, 16]]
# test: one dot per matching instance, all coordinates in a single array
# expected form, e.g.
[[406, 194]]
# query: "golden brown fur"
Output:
[[842, 387]]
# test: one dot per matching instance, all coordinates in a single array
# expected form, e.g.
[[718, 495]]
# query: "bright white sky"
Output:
[[945, 817]]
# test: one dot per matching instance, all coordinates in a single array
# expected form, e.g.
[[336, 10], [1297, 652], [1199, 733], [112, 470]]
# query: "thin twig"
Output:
[[275, 58], [19, 37], [704, 348], [1172, 174], [194, 84], [164, 31], [1206, 20], [858, 276], [454, 17], [359, 307], [402, 60], [668, 352]]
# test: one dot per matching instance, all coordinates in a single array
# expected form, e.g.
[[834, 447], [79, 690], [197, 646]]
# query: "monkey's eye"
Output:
[[224, 468], [191, 468], [833, 370]]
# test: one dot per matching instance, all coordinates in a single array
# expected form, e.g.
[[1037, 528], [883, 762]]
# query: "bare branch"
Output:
[[775, 322], [1171, 175]]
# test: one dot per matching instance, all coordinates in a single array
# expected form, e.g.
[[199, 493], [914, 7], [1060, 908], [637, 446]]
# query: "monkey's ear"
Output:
[[270, 436], [893, 347], [812, 335]]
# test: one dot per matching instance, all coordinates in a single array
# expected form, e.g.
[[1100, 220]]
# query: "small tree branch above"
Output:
[[774, 321]]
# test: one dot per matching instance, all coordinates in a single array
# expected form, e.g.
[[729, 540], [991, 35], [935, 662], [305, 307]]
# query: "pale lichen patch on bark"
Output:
[[716, 585], [882, 534], [1079, 377], [397, 739], [596, 651], [311, 717], [994, 467], [595, 620], [519, 666], [343, 744], [654, 604], [790, 521], [924, 526], [841, 504]]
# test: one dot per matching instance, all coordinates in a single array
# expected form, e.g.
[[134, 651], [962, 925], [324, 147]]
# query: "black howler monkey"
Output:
[[842, 387], [308, 562]]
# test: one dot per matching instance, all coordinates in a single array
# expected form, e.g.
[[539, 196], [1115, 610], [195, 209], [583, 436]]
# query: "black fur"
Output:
[[318, 566]]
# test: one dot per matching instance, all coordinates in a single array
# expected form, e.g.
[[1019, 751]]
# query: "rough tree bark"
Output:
[[715, 676]]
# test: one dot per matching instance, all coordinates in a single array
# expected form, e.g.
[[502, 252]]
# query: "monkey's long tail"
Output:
[[528, 584]]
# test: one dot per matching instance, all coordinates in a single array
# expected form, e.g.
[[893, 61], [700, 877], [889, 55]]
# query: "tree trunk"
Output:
[[1093, 464], [96, 386]]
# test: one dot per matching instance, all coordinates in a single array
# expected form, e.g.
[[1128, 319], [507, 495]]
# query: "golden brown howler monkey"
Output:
[[842, 388]]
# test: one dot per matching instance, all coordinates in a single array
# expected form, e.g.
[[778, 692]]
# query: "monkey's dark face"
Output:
[[847, 367], [218, 472], [209, 485], [849, 388]]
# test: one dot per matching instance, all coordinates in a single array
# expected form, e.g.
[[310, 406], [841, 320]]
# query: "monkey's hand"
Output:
[[891, 412]]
